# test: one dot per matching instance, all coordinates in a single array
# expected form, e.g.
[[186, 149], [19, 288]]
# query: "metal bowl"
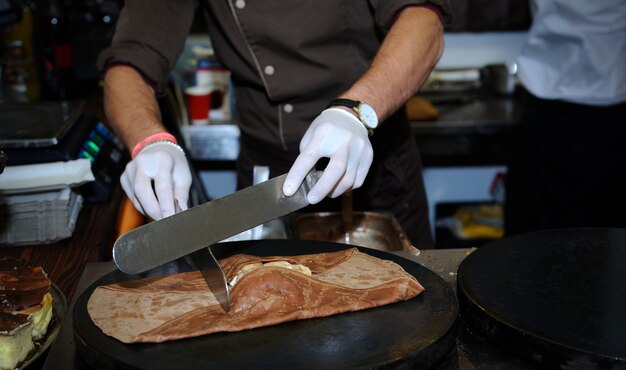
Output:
[[379, 231]]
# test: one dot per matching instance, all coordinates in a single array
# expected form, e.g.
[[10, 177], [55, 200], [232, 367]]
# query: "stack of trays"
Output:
[[38, 218], [38, 204]]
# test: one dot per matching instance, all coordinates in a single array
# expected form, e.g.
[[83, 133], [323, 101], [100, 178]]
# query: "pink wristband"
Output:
[[161, 136]]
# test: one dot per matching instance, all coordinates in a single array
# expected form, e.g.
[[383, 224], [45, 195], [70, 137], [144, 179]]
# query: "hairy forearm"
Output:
[[408, 54], [130, 105]]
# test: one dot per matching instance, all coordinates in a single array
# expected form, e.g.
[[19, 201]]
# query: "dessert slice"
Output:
[[15, 339], [41, 315], [25, 309]]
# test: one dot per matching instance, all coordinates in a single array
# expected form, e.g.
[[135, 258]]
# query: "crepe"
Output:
[[160, 309]]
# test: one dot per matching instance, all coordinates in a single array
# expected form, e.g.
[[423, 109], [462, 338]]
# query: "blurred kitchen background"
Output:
[[463, 118]]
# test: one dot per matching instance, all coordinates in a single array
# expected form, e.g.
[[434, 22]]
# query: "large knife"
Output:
[[165, 240]]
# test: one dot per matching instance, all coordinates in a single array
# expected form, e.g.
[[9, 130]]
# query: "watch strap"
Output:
[[352, 104], [344, 103]]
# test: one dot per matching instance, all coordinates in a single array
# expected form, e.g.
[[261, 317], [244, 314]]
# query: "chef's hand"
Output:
[[340, 136], [158, 179]]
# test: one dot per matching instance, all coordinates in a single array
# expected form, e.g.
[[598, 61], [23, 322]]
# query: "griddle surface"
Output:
[[557, 297], [418, 332]]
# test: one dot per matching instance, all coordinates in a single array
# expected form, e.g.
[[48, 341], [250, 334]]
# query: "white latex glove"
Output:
[[165, 165], [340, 136]]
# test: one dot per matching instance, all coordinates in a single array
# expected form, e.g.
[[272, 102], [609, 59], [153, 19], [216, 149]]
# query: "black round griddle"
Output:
[[417, 332], [556, 297]]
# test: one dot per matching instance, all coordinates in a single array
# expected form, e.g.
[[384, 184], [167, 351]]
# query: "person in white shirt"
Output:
[[565, 170]]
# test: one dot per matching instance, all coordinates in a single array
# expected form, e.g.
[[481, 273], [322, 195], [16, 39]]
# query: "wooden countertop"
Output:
[[92, 241]]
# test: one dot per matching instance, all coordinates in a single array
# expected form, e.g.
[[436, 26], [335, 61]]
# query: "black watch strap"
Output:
[[344, 103]]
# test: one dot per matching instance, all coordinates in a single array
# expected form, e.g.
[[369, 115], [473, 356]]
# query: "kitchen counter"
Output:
[[470, 112], [472, 128]]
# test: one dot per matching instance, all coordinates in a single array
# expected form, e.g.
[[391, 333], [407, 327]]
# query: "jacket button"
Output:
[[240, 4], [288, 108], [269, 70]]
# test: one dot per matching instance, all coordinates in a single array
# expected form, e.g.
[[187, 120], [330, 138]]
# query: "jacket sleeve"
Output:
[[386, 10], [150, 35]]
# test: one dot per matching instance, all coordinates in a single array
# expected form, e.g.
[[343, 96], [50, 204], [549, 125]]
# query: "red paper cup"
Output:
[[198, 104]]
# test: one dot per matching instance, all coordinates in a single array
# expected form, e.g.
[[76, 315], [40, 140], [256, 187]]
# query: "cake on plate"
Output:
[[25, 310]]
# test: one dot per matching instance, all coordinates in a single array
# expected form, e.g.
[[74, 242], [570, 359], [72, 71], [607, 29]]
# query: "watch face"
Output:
[[368, 115]]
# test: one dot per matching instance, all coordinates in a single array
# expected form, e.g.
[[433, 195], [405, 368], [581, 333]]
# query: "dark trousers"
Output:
[[394, 183], [567, 167]]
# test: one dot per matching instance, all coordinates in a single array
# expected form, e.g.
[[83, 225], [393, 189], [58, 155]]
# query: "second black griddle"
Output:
[[555, 297], [416, 333]]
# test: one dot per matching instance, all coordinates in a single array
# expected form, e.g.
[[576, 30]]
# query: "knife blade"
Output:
[[170, 238], [204, 261]]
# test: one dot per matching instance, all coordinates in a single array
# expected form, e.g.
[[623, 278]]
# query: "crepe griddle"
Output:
[[417, 332], [556, 297]]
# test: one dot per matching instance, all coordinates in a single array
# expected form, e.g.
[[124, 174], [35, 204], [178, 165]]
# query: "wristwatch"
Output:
[[364, 112]]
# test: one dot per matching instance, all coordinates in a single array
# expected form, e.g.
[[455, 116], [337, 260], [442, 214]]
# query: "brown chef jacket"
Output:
[[288, 59]]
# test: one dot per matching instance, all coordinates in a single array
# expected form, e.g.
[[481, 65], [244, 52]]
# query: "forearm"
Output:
[[408, 54], [130, 105]]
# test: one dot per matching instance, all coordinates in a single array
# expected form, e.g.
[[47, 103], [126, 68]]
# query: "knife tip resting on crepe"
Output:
[[264, 291]]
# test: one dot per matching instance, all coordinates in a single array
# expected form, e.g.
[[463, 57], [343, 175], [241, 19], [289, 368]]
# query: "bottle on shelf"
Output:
[[20, 79]]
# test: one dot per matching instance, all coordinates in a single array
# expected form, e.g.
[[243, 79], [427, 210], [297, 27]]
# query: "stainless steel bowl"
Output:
[[370, 229]]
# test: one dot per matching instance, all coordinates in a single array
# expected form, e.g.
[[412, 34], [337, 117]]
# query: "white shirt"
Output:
[[576, 51]]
